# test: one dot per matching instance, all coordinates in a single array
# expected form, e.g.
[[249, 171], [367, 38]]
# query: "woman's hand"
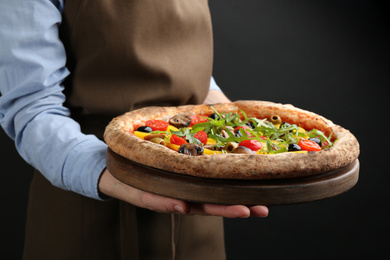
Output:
[[112, 187]]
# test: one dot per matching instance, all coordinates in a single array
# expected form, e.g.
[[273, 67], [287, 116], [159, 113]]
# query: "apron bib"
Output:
[[124, 55]]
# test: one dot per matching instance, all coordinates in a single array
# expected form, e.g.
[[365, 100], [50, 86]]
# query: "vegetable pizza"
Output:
[[239, 140]]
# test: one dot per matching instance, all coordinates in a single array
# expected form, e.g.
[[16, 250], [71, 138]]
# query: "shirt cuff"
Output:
[[81, 177]]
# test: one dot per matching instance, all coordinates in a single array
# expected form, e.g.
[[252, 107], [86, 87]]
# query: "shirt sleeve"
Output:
[[32, 68], [213, 85]]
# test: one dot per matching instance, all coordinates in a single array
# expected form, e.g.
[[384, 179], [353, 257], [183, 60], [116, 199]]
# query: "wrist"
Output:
[[104, 184]]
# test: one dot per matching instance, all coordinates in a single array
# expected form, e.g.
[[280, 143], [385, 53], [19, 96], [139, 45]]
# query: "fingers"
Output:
[[113, 188], [110, 186], [169, 205], [259, 211], [160, 203], [235, 211], [229, 211]]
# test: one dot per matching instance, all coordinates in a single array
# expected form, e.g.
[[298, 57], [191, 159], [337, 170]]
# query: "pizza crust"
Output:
[[120, 138]]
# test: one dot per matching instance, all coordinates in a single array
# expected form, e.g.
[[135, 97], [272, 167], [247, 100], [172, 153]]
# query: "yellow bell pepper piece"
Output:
[[140, 134], [302, 131], [211, 141], [172, 146], [210, 152], [171, 128]]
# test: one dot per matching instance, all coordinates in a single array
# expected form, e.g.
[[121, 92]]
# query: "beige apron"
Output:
[[123, 55]]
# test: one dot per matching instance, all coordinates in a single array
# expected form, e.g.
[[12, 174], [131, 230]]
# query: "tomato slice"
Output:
[[201, 136], [325, 144], [197, 119], [308, 145], [254, 145], [157, 125], [177, 140], [243, 127]]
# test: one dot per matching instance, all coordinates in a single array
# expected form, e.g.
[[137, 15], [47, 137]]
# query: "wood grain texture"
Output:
[[228, 191]]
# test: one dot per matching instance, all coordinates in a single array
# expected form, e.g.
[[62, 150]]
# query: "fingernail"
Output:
[[179, 209]]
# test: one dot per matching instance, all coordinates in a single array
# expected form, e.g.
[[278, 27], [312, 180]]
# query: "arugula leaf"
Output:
[[322, 136], [187, 134], [215, 111], [277, 139], [196, 129]]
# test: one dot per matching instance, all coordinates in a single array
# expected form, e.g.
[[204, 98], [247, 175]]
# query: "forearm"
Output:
[[216, 96], [32, 67]]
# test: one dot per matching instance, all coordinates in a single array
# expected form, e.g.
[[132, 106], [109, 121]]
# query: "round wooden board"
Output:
[[232, 192]]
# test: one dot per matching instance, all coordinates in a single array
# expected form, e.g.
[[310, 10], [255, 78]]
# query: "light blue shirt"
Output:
[[32, 69]]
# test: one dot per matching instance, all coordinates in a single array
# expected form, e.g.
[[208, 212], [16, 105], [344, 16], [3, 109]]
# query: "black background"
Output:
[[329, 57]]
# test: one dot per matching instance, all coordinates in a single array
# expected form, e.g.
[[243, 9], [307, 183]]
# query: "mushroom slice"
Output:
[[152, 136], [191, 149], [180, 120], [243, 149], [212, 147], [224, 134]]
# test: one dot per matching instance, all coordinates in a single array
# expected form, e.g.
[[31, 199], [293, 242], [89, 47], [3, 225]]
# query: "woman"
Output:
[[67, 68]]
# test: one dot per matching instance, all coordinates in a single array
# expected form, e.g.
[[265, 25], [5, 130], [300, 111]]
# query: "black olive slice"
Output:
[[214, 116], [144, 129], [285, 124], [316, 140], [250, 124], [293, 147]]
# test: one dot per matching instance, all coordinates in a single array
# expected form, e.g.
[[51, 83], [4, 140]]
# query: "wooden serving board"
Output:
[[222, 191]]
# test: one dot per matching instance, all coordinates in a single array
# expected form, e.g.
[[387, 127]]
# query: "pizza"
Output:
[[238, 140]]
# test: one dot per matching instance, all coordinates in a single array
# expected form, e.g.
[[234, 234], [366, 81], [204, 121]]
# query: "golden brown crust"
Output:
[[121, 140]]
